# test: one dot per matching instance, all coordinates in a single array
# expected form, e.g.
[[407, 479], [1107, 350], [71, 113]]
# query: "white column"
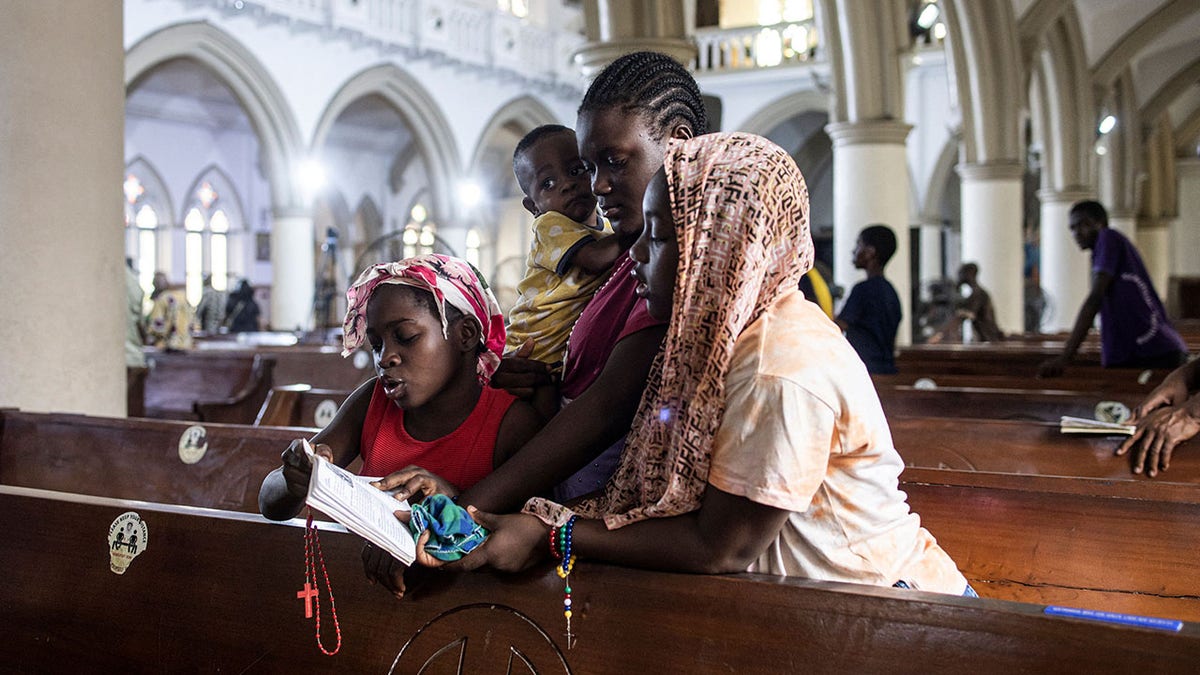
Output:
[[931, 254], [1184, 233], [992, 214], [62, 130], [1066, 268], [1153, 244], [1125, 223], [293, 262], [870, 185]]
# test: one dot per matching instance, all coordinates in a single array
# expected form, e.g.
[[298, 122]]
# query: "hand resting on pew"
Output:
[[1167, 417]]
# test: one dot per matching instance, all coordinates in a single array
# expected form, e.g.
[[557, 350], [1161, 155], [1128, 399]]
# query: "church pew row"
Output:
[[1104, 544], [300, 405], [1106, 382], [320, 366], [208, 465], [217, 592], [1034, 448], [139, 459], [211, 387], [1046, 405]]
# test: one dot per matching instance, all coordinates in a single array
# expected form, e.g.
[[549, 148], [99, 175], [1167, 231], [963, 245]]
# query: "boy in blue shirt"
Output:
[[871, 315]]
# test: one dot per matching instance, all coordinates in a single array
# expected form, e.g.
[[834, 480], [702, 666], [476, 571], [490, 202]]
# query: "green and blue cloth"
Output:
[[452, 532]]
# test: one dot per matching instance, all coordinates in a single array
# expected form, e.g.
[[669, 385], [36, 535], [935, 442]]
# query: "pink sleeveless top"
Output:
[[463, 457]]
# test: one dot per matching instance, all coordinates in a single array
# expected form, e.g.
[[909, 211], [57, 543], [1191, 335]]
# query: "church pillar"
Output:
[[931, 254], [293, 261], [992, 202], [870, 185], [1153, 244], [1124, 222], [1184, 231], [1065, 268], [617, 27], [62, 278]]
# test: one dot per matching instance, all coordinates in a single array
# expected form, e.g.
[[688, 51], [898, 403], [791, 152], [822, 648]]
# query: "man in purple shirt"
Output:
[[1134, 329]]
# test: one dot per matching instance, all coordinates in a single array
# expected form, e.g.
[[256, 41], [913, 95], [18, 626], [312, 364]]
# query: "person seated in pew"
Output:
[[1134, 329], [436, 333], [760, 443], [169, 324], [975, 307], [1167, 417]]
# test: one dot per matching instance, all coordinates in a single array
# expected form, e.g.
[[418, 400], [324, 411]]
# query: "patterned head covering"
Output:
[[740, 207], [450, 280]]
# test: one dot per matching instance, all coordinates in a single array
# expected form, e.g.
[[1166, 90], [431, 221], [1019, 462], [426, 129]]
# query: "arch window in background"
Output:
[[141, 231], [206, 243]]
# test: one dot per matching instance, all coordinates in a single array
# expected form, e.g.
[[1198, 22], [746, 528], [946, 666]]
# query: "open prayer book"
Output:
[[363, 508], [1083, 425]]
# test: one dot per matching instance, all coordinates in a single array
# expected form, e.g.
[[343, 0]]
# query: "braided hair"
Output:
[[655, 86]]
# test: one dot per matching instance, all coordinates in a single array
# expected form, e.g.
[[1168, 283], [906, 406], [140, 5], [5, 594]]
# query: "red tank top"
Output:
[[463, 457]]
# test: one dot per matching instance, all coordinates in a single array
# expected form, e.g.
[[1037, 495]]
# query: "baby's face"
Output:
[[558, 179]]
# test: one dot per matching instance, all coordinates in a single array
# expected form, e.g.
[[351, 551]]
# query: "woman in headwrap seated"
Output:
[[760, 443]]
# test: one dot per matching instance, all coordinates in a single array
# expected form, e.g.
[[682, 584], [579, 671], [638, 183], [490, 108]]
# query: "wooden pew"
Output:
[[217, 592], [140, 458], [1035, 448], [1114, 545], [1046, 405], [300, 405], [102, 457], [207, 386], [1107, 382], [320, 366]]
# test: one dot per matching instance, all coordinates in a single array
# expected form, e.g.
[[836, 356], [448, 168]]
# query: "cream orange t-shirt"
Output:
[[804, 431]]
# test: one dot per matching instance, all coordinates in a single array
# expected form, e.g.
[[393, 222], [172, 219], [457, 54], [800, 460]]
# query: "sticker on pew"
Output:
[[128, 536], [193, 444], [1113, 617], [324, 413], [362, 360]]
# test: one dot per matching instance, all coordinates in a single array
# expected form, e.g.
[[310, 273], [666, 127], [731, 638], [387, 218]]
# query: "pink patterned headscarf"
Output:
[[740, 207], [450, 280]]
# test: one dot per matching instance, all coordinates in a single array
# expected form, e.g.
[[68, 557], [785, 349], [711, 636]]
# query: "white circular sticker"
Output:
[[324, 413], [128, 536], [925, 383], [362, 360], [193, 444]]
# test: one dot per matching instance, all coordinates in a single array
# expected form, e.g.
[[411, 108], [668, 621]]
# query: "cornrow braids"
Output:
[[655, 86]]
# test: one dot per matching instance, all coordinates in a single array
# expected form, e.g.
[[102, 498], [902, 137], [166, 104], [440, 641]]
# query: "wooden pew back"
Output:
[[1000, 404], [215, 593], [208, 386], [141, 458], [299, 405]]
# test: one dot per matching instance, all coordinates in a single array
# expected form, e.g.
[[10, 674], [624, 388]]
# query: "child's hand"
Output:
[[413, 480], [297, 466], [520, 375], [381, 568]]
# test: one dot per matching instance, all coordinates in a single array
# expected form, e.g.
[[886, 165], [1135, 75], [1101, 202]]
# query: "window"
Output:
[[141, 230], [206, 243], [518, 8], [473, 242]]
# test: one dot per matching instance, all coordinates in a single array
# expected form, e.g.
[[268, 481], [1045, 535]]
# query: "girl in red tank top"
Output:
[[436, 334]]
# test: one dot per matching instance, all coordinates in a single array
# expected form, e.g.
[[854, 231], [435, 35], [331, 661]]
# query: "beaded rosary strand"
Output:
[[560, 547]]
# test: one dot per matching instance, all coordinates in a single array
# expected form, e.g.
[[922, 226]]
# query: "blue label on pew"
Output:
[[1113, 617]]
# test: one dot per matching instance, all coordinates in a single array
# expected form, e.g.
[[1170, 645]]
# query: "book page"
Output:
[[363, 508], [1083, 425]]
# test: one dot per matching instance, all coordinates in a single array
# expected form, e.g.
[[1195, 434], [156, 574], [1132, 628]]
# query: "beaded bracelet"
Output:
[[562, 537]]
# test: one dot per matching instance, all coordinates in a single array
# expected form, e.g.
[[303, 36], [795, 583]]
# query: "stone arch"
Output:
[[1066, 108], [943, 172], [1121, 53], [784, 108], [986, 65], [525, 112], [420, 112], [251, 84], [1156, 104], [1187, 134]]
